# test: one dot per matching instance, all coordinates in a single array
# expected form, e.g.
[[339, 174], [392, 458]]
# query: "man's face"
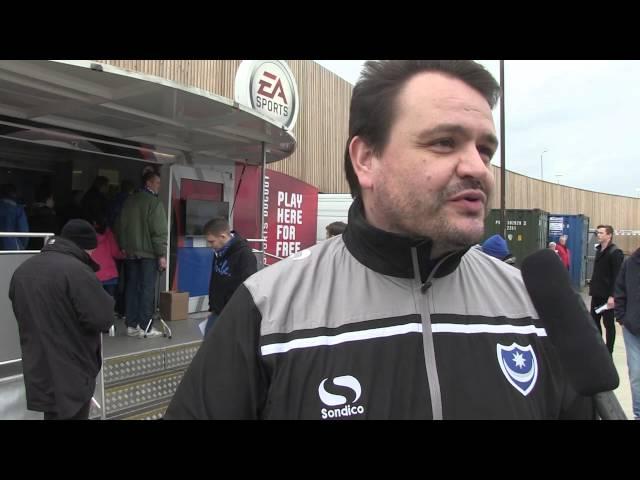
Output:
[[563, 240], [433, 177], [602, 235], [217, 241], [153, 184]]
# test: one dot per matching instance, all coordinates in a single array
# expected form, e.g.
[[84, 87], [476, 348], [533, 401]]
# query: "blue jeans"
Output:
[[140, 286], [212, 319], [632, 345]]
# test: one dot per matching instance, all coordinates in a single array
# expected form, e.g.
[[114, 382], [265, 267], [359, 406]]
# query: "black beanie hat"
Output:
[[81, 233]]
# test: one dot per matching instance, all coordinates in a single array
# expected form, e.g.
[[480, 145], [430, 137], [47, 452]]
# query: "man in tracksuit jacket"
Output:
[[397, 318]]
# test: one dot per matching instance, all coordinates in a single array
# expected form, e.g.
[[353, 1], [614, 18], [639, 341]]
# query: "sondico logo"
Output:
[[333, 400]]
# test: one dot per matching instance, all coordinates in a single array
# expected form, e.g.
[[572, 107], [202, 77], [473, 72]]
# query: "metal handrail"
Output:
[[46, 236], [26, 234], [9, 362], [253, 250]]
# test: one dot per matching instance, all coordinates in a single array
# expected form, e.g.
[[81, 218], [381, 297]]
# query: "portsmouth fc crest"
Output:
[[519, 365]]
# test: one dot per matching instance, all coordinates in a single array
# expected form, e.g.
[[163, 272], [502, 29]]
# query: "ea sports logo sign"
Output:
[[268, 87]]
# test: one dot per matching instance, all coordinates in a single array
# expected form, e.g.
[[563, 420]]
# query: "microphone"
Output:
[[581, 350]]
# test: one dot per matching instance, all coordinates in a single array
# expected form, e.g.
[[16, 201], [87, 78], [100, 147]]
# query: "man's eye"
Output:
[[444, 142], [487, 152]]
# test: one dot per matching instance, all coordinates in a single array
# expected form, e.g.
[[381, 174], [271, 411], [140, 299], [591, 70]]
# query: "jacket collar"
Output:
[[67, 247], [235, 243], [227, 246], [389, 253], [600, 250]]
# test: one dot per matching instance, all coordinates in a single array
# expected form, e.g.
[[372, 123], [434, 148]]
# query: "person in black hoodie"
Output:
[[607, 264], [627, 309], [61, 308], [233, 263], [95, 202], [42, 217]]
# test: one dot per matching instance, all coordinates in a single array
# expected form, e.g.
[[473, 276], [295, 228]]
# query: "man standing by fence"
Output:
[[601, 288]]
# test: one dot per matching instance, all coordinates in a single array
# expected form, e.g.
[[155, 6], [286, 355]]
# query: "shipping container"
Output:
[[527, 230], [576, 227]]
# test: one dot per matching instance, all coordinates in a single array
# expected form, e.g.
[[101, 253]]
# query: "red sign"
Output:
[[291, 209]]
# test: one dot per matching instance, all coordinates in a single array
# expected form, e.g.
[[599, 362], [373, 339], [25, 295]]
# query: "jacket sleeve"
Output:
[[23, 226], [226, 379], [577, 407], [245, 266], [114, 248], [617, 257], [158, 229], [118, 231], [620, 296], [93, 305]]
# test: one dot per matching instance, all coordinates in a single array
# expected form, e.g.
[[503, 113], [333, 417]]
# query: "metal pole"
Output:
[[503, 157], [262, 204], [103, 409], [167, 273], [541, 167]]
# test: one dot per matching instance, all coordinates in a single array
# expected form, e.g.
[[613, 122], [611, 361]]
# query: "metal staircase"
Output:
[[140, 385]]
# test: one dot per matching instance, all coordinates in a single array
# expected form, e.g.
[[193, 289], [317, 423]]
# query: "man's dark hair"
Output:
[[100, 182], [217, 226], [608, 228], [336, 228], [127, 186], [8, 190], [43, 193], [373, 102], [148, 175], [100, 224]]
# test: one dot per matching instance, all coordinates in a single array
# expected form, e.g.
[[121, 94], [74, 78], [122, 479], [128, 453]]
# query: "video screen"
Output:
[[199, 212]]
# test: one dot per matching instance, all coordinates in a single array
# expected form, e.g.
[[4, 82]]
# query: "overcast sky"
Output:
[[583, 113]]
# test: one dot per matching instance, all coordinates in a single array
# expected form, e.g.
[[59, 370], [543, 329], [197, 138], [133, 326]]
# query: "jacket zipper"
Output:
[[422, 307]]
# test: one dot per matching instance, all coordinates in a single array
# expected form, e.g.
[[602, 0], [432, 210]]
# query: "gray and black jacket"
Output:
[[365, 325]]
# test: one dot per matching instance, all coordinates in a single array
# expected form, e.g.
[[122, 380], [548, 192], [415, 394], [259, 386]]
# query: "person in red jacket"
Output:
[[563, 251]]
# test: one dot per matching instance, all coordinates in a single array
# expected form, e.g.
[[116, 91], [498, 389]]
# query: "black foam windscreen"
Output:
[[582, 352]]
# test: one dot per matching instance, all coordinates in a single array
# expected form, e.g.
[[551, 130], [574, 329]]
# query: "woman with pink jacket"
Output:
[[105, 255]]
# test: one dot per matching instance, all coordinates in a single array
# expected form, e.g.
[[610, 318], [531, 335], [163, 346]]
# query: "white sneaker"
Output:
[[153, 332], [133, 332]]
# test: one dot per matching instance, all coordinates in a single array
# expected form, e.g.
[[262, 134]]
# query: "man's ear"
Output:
[[362, 161]]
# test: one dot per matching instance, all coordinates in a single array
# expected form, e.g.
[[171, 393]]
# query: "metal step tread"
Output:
[[149, 411], [141, 364], [138, 393], [155, 414]]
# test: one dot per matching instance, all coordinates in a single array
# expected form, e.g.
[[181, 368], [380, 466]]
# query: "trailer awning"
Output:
[[96, 107]]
